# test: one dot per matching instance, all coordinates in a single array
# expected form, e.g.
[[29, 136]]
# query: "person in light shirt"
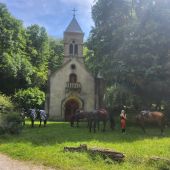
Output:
[[123, 121]]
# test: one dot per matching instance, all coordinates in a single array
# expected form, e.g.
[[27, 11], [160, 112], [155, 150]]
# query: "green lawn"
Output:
[[45, 146]]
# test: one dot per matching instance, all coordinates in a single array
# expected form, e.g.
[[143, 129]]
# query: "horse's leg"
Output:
[[77, 122], [90, 125], [162, 130], [45, 122], [142, 126], [23, 122], [98, 124], [71, 123], [162, 126], [104, 125], [94, 125], [40, 123], [32, 123]]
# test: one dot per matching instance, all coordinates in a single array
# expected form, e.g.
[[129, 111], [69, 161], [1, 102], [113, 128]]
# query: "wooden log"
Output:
[[105, 153], [82, 147], [156, 158], [117, 156]]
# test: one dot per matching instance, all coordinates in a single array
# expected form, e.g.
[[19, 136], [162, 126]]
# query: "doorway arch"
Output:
[[70, 108], [70, 105]]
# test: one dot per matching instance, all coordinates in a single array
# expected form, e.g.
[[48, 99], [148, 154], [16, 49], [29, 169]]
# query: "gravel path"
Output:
[[6, 163]]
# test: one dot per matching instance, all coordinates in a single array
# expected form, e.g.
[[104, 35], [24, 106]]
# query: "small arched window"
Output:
[[76, 49], [71, 49], [73, 78]]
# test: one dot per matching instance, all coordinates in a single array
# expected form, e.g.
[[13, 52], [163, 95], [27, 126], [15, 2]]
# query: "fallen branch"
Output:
[[156, 158], [105, 153], [77, 149]]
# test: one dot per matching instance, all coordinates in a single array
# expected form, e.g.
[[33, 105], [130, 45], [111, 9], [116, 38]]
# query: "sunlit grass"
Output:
[[45, 146]]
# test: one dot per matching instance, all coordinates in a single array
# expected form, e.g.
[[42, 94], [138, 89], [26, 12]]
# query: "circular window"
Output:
[[73, 66]]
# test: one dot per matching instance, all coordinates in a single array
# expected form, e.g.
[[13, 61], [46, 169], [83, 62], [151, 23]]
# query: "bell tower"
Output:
[[73, 41]]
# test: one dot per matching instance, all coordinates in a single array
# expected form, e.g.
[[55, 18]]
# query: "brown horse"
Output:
[[79, 115], [151, 117], [95, 117]]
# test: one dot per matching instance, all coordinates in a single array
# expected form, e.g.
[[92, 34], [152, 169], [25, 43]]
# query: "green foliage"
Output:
[[37, 45], [90, 60], [129, 47], [29, 98], [118, 96], [25, 54], [5, 103], [10, 122], [56, 54], [38, 51], [14, 63]]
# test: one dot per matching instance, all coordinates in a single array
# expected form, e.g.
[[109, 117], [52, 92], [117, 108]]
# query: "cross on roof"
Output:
[[74, 12]]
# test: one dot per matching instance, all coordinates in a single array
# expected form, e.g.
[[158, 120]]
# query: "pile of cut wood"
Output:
[[105, 153]]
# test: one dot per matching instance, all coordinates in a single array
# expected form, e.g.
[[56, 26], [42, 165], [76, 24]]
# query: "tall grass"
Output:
[[45, 146]]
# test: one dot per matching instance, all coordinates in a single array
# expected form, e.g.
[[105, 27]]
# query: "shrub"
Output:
[[29, 98], [5, 103], [10, 123]]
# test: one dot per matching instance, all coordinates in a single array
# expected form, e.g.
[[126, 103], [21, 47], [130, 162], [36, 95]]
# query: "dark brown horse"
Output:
[[151, 117], [95, 117], [79, 115]]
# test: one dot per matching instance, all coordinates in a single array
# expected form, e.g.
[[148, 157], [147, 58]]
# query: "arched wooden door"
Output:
[[70, 108]]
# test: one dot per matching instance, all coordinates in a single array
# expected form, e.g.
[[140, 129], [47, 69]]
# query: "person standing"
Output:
[[123, 121]]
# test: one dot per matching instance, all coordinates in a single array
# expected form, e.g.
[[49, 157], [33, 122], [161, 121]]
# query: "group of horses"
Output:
[[34, 114], [102, 115], [93, 118]]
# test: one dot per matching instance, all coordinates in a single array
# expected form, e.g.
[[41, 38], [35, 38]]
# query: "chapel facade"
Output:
[[72, 86]]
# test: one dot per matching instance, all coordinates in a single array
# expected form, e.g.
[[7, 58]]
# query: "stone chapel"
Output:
[[72, 86]]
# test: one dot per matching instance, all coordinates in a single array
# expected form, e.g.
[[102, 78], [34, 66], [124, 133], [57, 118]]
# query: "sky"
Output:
[[54, 15]]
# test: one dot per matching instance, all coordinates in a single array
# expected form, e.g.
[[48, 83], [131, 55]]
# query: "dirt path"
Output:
[[6, 163]]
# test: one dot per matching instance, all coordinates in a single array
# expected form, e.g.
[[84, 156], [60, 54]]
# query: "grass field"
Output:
[[45, 146]]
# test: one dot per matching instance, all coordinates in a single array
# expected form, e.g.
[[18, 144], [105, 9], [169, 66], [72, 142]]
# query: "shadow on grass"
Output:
[[61, 132]]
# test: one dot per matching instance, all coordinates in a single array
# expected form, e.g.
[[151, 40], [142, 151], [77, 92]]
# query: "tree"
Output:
[[132, 50], [15, 67], [25, 54], [145, 53], [29, 98], [56, 53], [37, 45], [110, 18]]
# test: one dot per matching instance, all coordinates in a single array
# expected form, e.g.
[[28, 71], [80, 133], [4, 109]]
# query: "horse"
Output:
[[151, 117], [34, 114], [42, 116], [95, 117], [80, 114]]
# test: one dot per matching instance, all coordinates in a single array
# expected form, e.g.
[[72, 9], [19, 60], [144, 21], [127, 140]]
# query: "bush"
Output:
[[5, 103], [29, 98], [10, 122]]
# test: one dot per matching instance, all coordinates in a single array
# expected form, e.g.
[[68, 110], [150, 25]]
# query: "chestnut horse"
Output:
[[151, 117]]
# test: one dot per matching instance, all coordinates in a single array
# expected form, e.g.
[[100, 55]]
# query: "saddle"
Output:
[[145, 113]]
